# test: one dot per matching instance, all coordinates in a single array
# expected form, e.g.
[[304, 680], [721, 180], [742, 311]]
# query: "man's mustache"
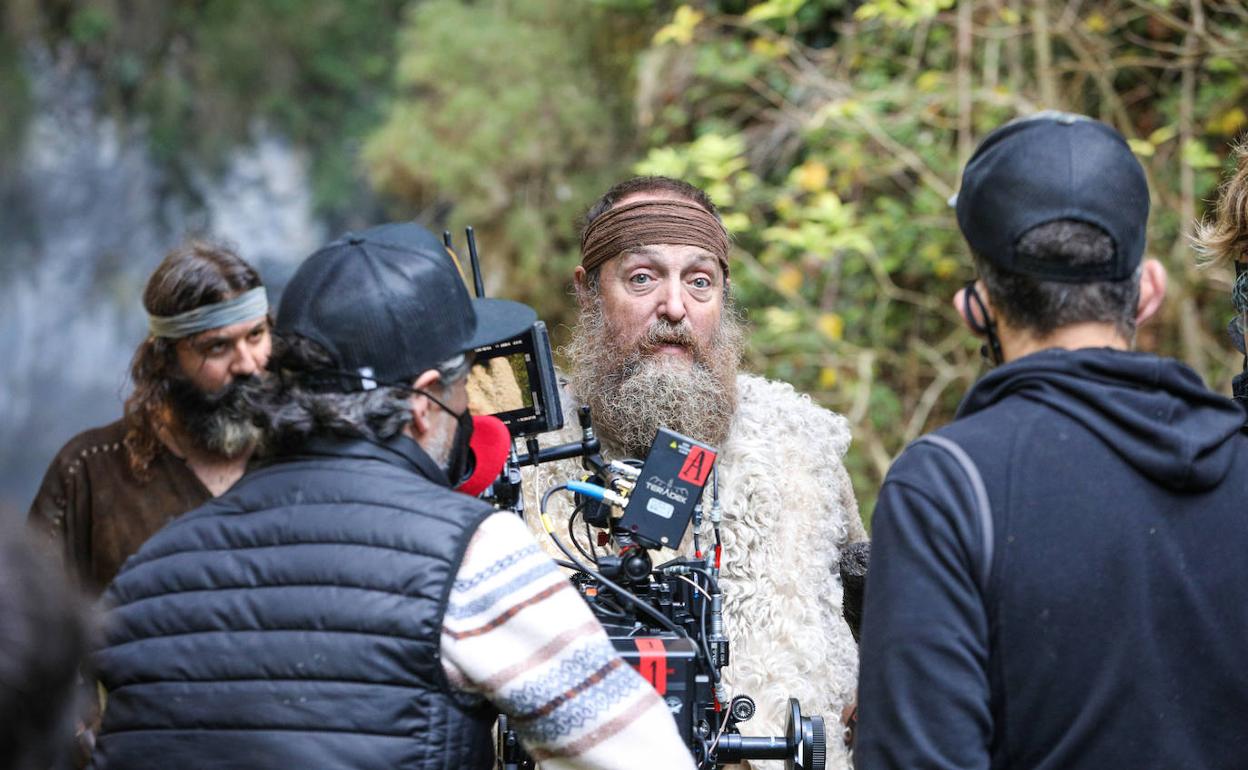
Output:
[[191, 400], [662, 333]]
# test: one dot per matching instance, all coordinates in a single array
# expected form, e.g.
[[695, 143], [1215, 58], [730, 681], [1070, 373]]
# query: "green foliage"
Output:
[[831, 132], [511, 115], [834, 165]]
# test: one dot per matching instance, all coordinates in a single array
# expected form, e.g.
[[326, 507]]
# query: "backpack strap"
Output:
[[983, 509]]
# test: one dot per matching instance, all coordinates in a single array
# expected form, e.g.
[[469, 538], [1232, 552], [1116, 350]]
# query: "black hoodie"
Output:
[[1087, 607]]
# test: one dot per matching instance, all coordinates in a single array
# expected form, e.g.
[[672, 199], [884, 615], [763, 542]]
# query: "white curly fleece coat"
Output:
[[788, 510]]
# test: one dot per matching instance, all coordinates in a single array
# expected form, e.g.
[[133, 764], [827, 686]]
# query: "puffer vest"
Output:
[[295, 622]]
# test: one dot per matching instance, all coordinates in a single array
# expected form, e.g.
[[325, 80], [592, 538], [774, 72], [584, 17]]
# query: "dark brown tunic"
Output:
[[98, 513]]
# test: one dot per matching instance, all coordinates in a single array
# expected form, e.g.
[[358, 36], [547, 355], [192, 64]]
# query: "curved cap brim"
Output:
[[498, 320]]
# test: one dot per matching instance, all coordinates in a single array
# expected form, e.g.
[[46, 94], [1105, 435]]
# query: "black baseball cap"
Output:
[[1050, 166], [389, 303]]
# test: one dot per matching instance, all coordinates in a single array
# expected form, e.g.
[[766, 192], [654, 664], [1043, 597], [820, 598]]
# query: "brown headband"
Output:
[[650, 222]]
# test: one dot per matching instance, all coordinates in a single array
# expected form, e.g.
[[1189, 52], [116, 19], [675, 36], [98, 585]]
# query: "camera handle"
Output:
[[506, 491], [588, 447]]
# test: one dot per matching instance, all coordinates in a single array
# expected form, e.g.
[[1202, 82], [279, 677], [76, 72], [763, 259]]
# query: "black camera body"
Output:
[[665, 620]]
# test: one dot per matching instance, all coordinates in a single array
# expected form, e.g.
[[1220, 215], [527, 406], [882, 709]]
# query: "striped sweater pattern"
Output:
[[517, 633]]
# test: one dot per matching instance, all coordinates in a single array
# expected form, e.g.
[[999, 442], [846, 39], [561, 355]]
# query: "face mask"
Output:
[[459, 462], [973, 308]]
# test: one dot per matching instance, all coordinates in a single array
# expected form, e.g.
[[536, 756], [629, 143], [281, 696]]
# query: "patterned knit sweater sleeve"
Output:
[[517, 633]]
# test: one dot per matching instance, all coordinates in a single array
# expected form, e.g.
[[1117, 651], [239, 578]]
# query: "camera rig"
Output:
[[665, 620]]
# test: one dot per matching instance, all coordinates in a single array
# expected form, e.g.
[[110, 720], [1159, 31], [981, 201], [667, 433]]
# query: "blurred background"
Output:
[[831, 132]]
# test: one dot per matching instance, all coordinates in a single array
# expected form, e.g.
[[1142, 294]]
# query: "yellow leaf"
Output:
[[1164, 134], [680, 29], [929, 81], [1197, 155], [1010, 16], [1141, 147], [781, 321], [827, 378], [866, 12], [1230, 122], [769, 48], [838, 110], [945, 267], [774, 9], [1096, 22], [831, 325], [736, 221], [789, 280], [812, 176]]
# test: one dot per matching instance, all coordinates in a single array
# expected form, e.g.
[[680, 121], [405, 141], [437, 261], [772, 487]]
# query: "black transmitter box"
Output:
[[670, 485]]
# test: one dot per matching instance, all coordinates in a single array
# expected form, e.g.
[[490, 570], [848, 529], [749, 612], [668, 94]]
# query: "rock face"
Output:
[[85, 215]]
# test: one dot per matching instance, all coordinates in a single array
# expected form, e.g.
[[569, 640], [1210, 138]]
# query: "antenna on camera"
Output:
[[475, 260]]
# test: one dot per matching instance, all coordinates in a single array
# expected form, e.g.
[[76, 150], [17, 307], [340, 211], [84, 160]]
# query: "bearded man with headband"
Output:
[[182, 439], [658, 343]]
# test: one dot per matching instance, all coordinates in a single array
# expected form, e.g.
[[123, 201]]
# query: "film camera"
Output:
[[666, 620]]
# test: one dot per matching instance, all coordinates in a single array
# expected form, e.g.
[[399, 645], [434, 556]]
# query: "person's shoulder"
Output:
[[90, 443], [987, 435], [946, 458], [782, 407]]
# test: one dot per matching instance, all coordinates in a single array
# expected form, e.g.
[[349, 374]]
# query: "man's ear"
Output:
[[579, 283], [976, 321], [1152, 290], [421, 423]]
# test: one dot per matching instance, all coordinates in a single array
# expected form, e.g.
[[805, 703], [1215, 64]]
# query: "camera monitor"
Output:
[[515, 381]]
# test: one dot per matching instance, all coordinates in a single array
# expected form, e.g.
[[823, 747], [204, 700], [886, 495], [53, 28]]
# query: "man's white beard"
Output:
[[633, 390], [228, 437]]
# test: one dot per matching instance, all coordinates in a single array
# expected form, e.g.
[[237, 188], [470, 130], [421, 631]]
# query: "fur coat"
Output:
[[788, 510]]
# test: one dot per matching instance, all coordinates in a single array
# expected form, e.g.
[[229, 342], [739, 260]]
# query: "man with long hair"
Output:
[[182, 439], [658, 344], [1223, 239]]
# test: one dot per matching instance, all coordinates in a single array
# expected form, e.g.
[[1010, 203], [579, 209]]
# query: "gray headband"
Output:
[[248, 305]]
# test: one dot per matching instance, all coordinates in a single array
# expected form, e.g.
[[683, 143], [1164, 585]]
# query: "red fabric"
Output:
[[490, 445]]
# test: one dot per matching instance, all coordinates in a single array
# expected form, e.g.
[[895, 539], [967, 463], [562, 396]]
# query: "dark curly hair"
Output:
[[194, 274]]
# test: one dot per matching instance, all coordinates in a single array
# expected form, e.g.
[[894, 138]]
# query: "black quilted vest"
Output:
[[295, 623]]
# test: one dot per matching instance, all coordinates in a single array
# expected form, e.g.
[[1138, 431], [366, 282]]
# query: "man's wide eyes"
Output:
[[701, 282], [640, 278]]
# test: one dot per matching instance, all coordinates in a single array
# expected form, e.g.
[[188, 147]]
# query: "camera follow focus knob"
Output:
[[742, 708]]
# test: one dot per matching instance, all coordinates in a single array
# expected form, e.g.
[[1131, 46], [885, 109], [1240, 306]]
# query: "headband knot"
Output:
[[250, 304], [649, 222]]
